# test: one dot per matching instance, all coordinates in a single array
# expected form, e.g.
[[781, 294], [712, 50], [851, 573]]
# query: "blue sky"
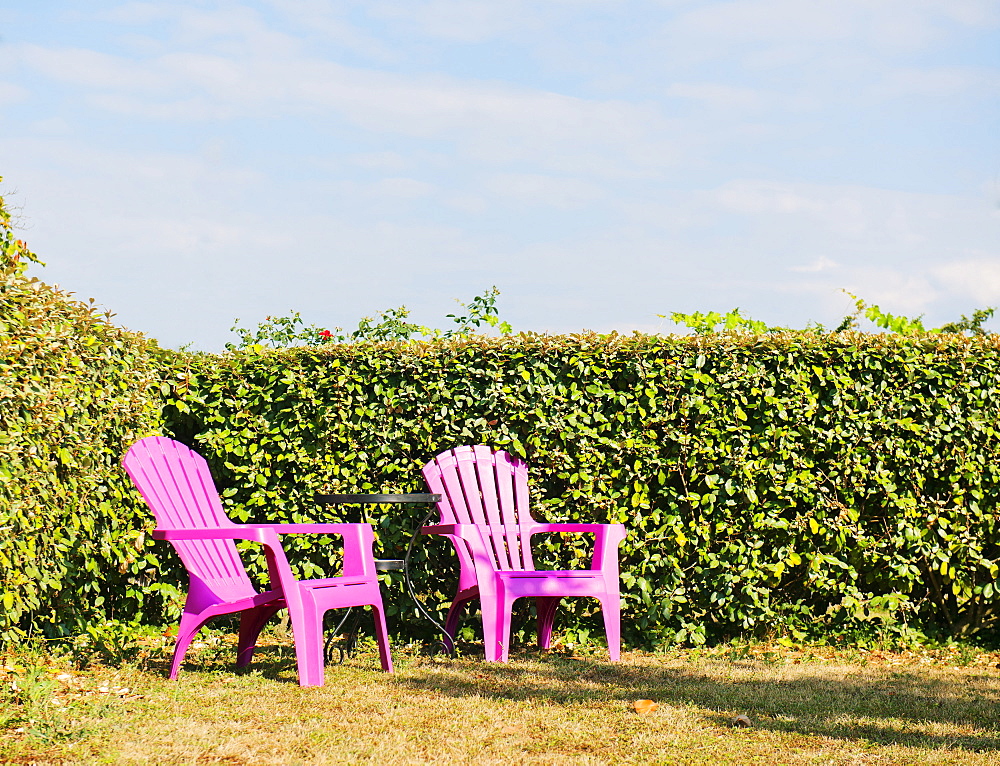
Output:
[[599, 161]]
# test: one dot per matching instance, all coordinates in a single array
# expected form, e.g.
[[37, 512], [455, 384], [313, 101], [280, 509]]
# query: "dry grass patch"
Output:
[[805, 706]]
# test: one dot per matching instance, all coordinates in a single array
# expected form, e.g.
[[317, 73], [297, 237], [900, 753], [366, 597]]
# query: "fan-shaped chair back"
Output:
[[177, 485], [489, 489]]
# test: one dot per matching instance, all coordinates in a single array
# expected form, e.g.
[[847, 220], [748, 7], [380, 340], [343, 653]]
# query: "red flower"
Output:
[[325, 334]]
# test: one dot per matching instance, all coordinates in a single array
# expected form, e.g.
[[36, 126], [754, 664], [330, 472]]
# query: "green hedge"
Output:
[[74, 391], [802, 483]]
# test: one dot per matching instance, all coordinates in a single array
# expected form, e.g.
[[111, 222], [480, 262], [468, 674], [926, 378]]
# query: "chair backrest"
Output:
[[489, 488], [178, 487]]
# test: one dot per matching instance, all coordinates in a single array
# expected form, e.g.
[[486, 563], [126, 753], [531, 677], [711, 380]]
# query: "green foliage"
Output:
[[277, 332], [291, 331], [27, 704], [801, 483], [14, 253], [907, 326], [392, 325], [481, 310], [74, 391], [973, 324], [713, 322], [892, 322], [112, 643]]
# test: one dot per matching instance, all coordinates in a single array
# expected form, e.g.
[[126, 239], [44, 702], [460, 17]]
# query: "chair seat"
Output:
[[335, 582], [554, 584], [542, 574]]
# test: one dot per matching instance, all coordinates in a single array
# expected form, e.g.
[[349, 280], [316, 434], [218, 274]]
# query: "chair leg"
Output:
[[252, 621], [382, 637], [496, 628], [611, 607], [546, 608], [307, 632], [187, 629], [451, 623]]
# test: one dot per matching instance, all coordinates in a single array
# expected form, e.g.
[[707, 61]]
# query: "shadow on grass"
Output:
[[275, 662], [885, 708], [878, 705]]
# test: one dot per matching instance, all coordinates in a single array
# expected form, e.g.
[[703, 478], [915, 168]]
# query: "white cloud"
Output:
[[887, 24], [138, 13], [829, 51], [819, 264], [490, 121], [851, 213], [538, 190], [934, 82], [718, 96], [92, 69], [233, 29], [781, 20], [894, 291], [11, 93], [468, 203], [977, 278], [403, 188], [465, 21], [839, 209], [53, 126], [391, 161]]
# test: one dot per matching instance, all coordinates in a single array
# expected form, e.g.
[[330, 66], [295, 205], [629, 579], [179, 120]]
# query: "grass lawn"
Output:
[[804, 705]]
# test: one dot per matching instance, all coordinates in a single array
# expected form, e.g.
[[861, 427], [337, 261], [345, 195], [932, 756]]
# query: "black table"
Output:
[[381, 565], [374, 499]]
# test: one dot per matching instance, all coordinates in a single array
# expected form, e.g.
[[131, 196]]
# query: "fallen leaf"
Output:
[[644, 706]]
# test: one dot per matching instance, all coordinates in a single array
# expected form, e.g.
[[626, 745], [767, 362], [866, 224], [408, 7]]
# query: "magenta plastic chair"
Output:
[[484, 511], [177, 485]]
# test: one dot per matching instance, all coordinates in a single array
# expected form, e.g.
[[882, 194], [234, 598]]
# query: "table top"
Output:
[[371, 499]]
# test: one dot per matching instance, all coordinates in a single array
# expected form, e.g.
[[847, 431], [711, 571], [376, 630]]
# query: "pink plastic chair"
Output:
[[484, 511], [178, 487]]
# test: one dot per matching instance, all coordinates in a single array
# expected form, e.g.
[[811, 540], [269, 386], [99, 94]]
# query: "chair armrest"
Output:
[[607, 538], [359, 539], [216, 533], [278, 571], [476, 563], [343, 528], [584, 528]]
